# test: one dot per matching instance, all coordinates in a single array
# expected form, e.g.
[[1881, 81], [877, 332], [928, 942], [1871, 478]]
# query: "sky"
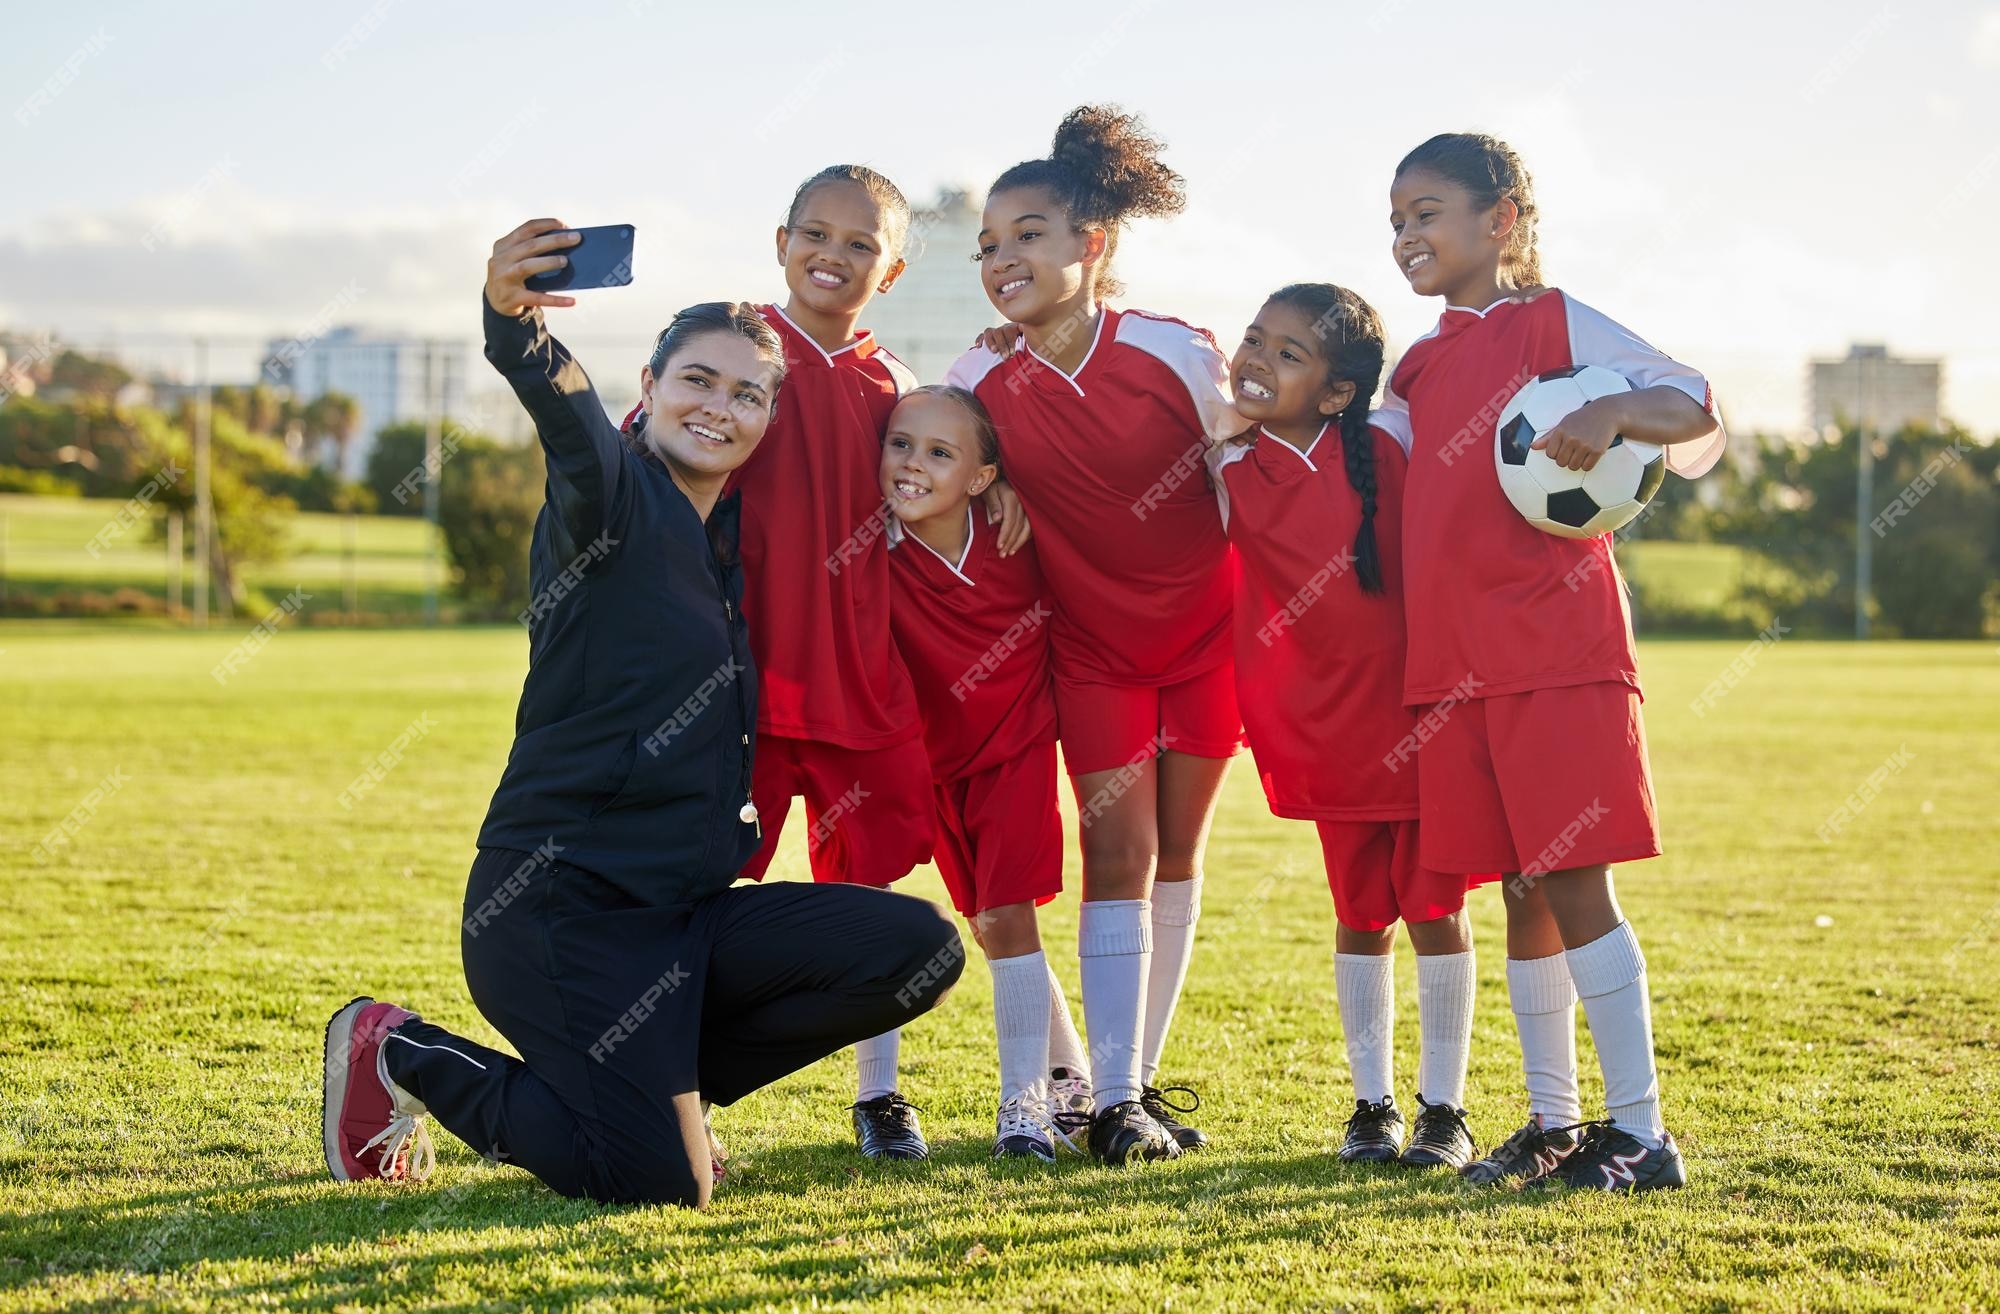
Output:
[[1747, 186]]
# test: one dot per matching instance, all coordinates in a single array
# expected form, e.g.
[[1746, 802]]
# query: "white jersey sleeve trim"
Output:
[[902, 375], [1221, 456], [1597, 339], [1393, 416], [1194, 359], [969, 370]]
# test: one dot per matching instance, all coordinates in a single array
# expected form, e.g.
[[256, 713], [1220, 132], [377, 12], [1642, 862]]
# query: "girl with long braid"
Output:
[[1312, 498]]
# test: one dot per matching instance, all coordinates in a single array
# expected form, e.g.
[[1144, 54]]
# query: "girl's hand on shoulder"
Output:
[[1003, 505], [1583, 435], [528, 250], [1001, 341]]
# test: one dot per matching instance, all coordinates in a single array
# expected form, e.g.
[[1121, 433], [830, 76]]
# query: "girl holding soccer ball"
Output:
[[1541, 772]]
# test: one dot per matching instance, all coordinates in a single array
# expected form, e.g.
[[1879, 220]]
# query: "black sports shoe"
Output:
[[1122, 1133], [1612, 1160], [886, 1128], [1529, 1155], [1154, 1101], [1440, 1139], [1374, 1133]]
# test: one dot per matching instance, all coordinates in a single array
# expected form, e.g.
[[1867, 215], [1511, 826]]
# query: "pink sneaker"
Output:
[[373, 1127]]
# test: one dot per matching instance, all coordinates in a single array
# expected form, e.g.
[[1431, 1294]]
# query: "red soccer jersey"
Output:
[[816, 574], [1319, 663], [976, 636], [1109, 465], [1496, 606]]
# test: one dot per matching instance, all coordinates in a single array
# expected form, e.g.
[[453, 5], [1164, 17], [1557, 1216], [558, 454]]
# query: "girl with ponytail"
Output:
[[1106, 417], [1313, 501], [1540, 771]]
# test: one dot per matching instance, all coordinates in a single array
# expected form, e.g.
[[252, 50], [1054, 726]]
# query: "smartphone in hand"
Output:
[[602, 259]]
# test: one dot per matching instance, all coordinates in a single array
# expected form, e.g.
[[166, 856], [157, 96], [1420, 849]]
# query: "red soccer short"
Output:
[[1539, 781], [1107, 726], [1377, 880], [868, 810], [999, 835]]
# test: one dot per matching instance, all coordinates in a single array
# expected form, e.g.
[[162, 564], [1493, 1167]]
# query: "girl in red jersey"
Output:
[[1521, 647], [837, 719], [973, 627], [1105, 417], [1313, 501]]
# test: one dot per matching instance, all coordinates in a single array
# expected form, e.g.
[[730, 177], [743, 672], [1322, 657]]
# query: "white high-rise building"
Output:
[[1871, 387], [938, 306], [386, 376]]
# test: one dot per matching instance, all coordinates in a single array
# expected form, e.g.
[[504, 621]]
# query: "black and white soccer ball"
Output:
[[1558, 500]]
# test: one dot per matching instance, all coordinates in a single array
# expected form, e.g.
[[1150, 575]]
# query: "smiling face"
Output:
[[1035, 267], [709, 405], [931, 462], [1445, 244], [1278, 375], [840, 250]]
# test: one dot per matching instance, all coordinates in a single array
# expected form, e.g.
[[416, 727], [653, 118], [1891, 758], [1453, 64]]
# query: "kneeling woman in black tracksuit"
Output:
[[602, 936]]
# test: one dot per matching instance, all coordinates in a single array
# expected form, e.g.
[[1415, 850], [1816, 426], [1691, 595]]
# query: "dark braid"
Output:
[[1351, 341]]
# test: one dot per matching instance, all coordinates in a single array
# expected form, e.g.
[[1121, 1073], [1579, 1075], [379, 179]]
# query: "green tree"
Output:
[[397, 454], [488, 498]]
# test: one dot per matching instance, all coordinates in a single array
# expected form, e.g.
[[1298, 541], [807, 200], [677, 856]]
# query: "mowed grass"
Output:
[[1825, 1009], [48, 543]]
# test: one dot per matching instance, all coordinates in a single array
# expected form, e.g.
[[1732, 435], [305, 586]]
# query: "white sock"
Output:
[[1610, 976], [1065, 1046], [1444, 1021], [876, 1059], [1114, 943], [1021, 1021], [1544, 1002], [1365, 985], [1176, 908]]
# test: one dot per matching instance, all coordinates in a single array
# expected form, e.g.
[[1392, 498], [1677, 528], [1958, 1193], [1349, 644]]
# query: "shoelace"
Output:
[[405, 1132], [1435, 1113], [892, 1109], [1158, 1095], [1022, 1115], [1590, 1146], [1372, 1116]]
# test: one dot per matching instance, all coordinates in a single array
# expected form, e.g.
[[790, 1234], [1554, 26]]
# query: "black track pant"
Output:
[[627, 1016]]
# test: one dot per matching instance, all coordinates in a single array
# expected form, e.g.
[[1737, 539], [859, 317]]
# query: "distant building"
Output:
[[1870, 386], [938, 306], [385, 376]]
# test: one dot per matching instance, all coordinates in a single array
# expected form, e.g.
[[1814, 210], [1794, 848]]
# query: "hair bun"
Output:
[[1117, 162]]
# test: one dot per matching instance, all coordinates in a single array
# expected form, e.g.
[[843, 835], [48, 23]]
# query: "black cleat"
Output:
[[886, 1128], [1374, 1133], [1440, 1139], [1154, 1101], [1529, 1155], [1122, 1133], [1612, 1160]]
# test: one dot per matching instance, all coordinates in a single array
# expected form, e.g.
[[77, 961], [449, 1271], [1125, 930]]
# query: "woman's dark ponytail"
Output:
[[1352, 345]]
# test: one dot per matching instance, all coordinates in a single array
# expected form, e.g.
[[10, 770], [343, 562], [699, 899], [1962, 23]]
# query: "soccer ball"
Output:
[[1561, 501]]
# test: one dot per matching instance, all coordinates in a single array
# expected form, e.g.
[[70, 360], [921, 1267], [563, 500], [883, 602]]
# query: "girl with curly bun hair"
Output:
[[1106, 417]]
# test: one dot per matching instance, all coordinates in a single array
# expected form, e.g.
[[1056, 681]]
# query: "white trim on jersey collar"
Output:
[[1305, 455], [1481, 313], [897, 534], [860, 338], [1096, 337]]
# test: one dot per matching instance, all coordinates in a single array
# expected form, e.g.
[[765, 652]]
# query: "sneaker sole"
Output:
[[333, 1092]]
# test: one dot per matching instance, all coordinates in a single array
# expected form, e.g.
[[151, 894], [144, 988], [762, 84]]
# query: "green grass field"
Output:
[[1826, 1013], [45, 551], [47, 541]]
